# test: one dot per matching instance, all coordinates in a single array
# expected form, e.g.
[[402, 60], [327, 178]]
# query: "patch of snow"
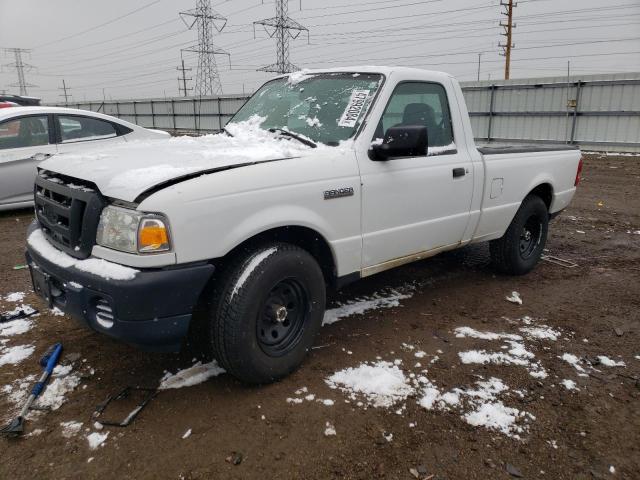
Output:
[[515, 298], [362, 305], [387, 436], [542, 332], [437, 150], [250, 267], [569, 384], [327, 402], [96, 266], [572, 360], [553, 444], [607, 362], [329, 430], [97, 439], [188, 377], [295, 400], [15, 297], [496, 416], [382, 383], [420, 354], [187, 434], [297, 77], [55, 394], [313, 122], [71, 428], [462, 332], [15, 327], [14, 355], [56, 312], [612, 469]]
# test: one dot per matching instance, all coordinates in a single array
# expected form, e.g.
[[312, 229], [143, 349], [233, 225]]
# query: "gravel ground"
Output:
[[548, 430]]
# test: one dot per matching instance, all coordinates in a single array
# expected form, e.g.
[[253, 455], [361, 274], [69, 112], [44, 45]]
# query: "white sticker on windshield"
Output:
[[354, 108]]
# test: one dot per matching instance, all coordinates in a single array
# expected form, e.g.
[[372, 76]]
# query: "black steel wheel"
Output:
[[266, 308], [518, 251]]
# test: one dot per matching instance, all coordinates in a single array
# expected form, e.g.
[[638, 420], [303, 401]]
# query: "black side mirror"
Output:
[[404, 141]]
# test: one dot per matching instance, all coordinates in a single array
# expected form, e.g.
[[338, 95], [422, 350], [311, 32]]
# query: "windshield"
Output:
[[326, 108]]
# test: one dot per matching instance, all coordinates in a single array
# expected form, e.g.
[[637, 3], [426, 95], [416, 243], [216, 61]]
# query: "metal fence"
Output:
[[597, 112]]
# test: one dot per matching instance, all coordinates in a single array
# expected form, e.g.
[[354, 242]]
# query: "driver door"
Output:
[[414, 205]]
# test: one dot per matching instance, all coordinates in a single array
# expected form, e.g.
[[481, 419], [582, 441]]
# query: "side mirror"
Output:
[[404, 141]]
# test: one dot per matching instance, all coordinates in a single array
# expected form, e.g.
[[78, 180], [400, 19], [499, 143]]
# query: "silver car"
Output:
[[29, 135]]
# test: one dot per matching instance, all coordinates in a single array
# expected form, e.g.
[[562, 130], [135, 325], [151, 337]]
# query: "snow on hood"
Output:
[[125, 171]]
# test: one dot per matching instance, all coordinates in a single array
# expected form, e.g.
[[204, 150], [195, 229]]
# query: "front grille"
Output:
[[68, 211]]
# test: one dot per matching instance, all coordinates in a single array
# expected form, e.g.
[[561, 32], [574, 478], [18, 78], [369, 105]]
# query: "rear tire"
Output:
[[520, 248], [267, 307]]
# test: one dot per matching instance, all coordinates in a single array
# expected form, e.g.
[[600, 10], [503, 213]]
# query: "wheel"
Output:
[[520, 248], [267, 308]]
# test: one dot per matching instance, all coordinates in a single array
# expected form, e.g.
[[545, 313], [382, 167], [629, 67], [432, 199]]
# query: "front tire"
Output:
[[267, 308], [520, 248]]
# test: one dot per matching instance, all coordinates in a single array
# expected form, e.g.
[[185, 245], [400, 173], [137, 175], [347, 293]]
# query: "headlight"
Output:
[[132, 231]]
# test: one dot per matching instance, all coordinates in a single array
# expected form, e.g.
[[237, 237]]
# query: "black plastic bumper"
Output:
[[151, 311]]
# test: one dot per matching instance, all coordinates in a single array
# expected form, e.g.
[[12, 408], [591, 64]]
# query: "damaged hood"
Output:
[[127, 170]]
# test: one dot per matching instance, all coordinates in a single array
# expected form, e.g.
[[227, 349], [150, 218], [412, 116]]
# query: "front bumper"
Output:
[[151, 311]]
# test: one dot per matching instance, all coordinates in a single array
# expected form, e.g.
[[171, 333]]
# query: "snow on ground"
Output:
[[56, 392], [329, 430], [14, 355], [541, 332], [96, 439], [516, 354], [382, 384], [607, 362], [188, 377], [15, 327], [71, 428], [462, 332], [569, 384], [361, 305], [15, 297], [27, 309], [574, 361], [514, 298], [187, 434], [96, 266]]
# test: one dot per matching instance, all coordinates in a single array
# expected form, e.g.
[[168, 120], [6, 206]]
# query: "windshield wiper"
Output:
[[288, 133]]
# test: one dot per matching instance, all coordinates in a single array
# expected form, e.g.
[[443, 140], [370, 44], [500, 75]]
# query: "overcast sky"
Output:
[[95, 45]]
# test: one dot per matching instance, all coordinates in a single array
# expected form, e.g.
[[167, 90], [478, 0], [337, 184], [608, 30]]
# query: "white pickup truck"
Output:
[[321, 178]]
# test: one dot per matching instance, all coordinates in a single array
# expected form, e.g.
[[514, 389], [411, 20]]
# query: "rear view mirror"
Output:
[[404, 141]]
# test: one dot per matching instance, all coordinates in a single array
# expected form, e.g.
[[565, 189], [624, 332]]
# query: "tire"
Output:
[[520, 248], [267, 307]]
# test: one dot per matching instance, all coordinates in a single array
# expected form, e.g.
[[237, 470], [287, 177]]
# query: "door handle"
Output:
[[38, 157], [459, 172]]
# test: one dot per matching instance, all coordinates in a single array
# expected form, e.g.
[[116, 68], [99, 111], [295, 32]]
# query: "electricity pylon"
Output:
[[20, 67]]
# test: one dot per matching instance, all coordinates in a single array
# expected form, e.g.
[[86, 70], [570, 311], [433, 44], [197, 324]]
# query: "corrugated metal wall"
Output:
[[597, 112]]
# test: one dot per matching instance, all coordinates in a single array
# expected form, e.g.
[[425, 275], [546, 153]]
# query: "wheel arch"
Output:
[[545, 192], [304, 237]]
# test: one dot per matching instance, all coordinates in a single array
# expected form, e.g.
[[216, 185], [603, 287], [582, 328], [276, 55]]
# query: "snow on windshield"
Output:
[[324, 107]]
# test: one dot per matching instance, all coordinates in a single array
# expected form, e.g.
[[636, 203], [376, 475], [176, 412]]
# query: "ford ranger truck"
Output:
[[323, 177]]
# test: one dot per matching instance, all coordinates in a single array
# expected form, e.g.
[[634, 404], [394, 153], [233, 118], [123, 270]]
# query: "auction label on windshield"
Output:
[[354, 108]]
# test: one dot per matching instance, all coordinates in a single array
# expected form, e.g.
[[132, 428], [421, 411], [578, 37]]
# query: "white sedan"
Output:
[[29, 135]]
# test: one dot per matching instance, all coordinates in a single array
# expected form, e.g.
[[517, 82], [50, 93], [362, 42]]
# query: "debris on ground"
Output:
[[188, 377]]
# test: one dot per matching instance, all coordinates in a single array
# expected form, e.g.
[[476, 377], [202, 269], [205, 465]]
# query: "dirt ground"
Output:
[[589, 432]]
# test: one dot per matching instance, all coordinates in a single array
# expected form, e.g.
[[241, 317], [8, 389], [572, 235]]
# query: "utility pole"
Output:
[[183, 80], [282, 27], [479, 55], [64, 90], [508, 32], [20, 67], [205, 19]]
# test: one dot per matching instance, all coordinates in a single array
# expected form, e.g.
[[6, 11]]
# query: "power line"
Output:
[[283, 26], [508, 33], [205, 19], [20, 67], [91, 29], [64, 90], [183, 89]]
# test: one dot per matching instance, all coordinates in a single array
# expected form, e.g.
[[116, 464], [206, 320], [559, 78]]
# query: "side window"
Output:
[[419, 103], [24, 132], [79, 129]]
